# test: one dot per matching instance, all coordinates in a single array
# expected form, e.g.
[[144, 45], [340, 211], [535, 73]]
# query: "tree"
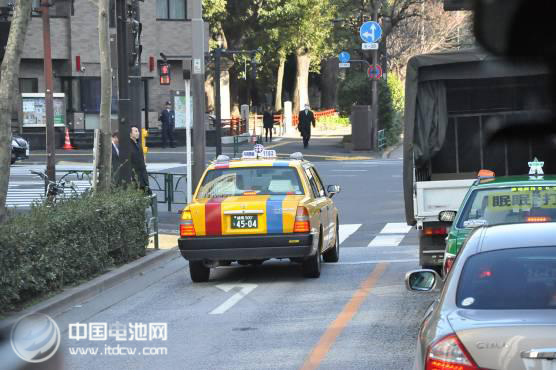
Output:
[[105, 152], [9, 75]]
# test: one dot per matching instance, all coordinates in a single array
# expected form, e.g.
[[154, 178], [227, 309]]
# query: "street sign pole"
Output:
[[48, 96], [188, 140]]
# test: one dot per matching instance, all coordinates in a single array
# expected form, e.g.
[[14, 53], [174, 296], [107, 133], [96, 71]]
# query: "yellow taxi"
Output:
[[256, 208]]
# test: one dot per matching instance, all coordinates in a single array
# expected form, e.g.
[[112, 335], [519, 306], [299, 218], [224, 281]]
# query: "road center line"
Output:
[[350, 309]]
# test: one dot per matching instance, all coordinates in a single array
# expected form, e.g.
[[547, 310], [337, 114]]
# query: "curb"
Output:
[[389, 150], [71, 296]]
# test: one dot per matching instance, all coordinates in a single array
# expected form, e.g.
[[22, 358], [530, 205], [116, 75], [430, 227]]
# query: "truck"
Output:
[[454, 102]]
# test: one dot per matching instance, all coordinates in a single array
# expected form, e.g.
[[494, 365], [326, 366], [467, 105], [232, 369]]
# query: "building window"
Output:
[[28, 85], [89, 90], [170, 9]]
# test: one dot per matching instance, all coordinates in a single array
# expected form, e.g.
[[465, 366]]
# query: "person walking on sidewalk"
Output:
[[268, 123], [306, 119], [168, 120], [138, 168], [115, 156]]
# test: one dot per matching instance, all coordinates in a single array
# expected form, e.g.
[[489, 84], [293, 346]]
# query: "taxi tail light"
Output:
[[448, 263], [186, 225], [538, 219], [449, 353], [302, 223], [432, 231]]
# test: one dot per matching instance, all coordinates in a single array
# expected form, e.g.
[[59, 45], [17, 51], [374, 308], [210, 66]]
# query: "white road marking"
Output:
[[386, 240], [350, 170], [374, 262], [233, 300], [395, 228], [347, 230]]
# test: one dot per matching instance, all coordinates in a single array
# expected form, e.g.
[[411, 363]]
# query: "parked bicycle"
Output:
[[55, 190]]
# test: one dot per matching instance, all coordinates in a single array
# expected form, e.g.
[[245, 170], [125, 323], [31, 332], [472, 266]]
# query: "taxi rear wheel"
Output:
[[333, 254], [311, 265], [198, 271]]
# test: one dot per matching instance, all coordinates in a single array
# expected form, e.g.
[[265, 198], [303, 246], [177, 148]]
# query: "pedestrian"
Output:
[[168, 119], [268, 123], [306, 119], [115, 156], [138, 168]]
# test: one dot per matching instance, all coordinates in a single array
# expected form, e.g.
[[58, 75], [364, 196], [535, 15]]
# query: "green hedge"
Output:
[[65, 243]]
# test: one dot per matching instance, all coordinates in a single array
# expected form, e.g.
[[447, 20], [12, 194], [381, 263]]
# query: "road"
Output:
[[357, 315]]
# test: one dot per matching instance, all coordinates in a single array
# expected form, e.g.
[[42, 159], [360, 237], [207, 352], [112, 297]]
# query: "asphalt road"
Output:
[[357, 315]]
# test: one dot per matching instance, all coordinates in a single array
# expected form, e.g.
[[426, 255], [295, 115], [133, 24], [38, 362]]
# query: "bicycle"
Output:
[[53, 190]]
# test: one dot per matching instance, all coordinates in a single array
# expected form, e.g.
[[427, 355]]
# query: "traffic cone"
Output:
[[67, 144]]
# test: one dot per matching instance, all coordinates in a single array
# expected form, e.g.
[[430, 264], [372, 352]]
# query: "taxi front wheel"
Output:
[[198, 271], [333, 254]]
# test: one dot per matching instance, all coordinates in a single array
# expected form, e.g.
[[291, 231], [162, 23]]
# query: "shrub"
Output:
[[64, 243], [355, 89]]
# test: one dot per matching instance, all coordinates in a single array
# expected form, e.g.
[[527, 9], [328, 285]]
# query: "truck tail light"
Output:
[[302, 223], [434, 231], [186, 225], [449, 353]]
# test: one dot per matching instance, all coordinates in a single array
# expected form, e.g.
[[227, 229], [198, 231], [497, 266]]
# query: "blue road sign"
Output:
[[344, 57], [370, 32]]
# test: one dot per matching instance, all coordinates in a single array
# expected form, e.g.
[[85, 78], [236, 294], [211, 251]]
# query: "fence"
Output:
[[381, 139]]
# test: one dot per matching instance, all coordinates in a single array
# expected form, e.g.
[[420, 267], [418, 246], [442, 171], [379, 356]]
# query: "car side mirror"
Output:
[[421, 280], [332, 190], [447, 216]]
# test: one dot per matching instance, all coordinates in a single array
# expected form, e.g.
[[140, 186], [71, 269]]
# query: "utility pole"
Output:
[[218, 102], [374, 86], [124, 103], [48, 95], [198, 87], [135, 66]]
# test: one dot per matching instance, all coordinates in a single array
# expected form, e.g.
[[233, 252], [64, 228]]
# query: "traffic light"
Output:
[[165, 74]]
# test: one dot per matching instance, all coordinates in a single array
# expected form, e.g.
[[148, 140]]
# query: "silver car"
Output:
[[497, 307]]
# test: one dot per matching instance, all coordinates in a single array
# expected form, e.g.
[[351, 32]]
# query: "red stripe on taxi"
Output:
[[213, 216]]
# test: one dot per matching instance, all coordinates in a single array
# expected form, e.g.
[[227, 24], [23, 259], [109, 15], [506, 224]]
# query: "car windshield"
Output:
[[507, 205], [522, 278], [260, 181]]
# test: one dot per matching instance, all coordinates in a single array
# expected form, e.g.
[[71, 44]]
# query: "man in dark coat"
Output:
[[168, 119], [137, 160], [115, 156], [306, 119], [268, 123]]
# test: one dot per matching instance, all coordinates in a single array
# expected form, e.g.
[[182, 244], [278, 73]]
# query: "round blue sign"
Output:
[[344, 57], [370, 32]]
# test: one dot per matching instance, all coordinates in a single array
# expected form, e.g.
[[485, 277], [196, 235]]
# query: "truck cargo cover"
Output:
[[426, 116]]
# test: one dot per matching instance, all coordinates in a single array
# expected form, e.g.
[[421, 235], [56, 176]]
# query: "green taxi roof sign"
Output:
[[535, 167]]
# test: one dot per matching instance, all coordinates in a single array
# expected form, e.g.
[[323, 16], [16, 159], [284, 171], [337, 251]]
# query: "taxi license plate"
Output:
[[245, 222]]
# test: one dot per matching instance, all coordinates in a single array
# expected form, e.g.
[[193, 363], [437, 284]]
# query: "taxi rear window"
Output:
[[507, 205], [229, 182], [509, 279]]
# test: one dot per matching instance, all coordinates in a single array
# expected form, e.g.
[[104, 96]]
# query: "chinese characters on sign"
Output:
[[523, 198], [96, 331]]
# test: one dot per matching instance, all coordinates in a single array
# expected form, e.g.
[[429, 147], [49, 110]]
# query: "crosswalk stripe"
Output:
[[392, 240], [395, 228], [347, 230]]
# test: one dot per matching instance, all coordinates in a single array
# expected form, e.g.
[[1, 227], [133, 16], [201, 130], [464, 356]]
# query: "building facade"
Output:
[[166, 29]]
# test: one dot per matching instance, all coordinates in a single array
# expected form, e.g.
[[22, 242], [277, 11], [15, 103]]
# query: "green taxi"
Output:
[[500, 200]]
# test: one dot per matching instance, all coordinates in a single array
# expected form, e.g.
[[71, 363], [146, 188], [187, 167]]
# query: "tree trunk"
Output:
[[279, 84], [209, 91], [104, 153], [9, 74], [301, 92], [329, 83]]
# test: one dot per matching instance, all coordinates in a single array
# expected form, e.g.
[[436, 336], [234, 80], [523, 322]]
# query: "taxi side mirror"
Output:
[[332, 190]]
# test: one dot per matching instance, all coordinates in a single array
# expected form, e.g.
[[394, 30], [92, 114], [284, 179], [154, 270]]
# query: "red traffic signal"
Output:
[[165, 74]]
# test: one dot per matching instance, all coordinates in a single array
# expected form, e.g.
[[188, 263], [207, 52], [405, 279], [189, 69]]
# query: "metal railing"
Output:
[[381, 139], [249, 140]]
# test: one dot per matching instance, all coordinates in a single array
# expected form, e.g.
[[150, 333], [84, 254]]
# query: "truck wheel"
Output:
[[198, 271], [333, 254], [311, 265]]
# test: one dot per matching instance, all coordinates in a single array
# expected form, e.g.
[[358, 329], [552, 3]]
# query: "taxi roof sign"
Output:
[[535, 167], [258, 152]]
